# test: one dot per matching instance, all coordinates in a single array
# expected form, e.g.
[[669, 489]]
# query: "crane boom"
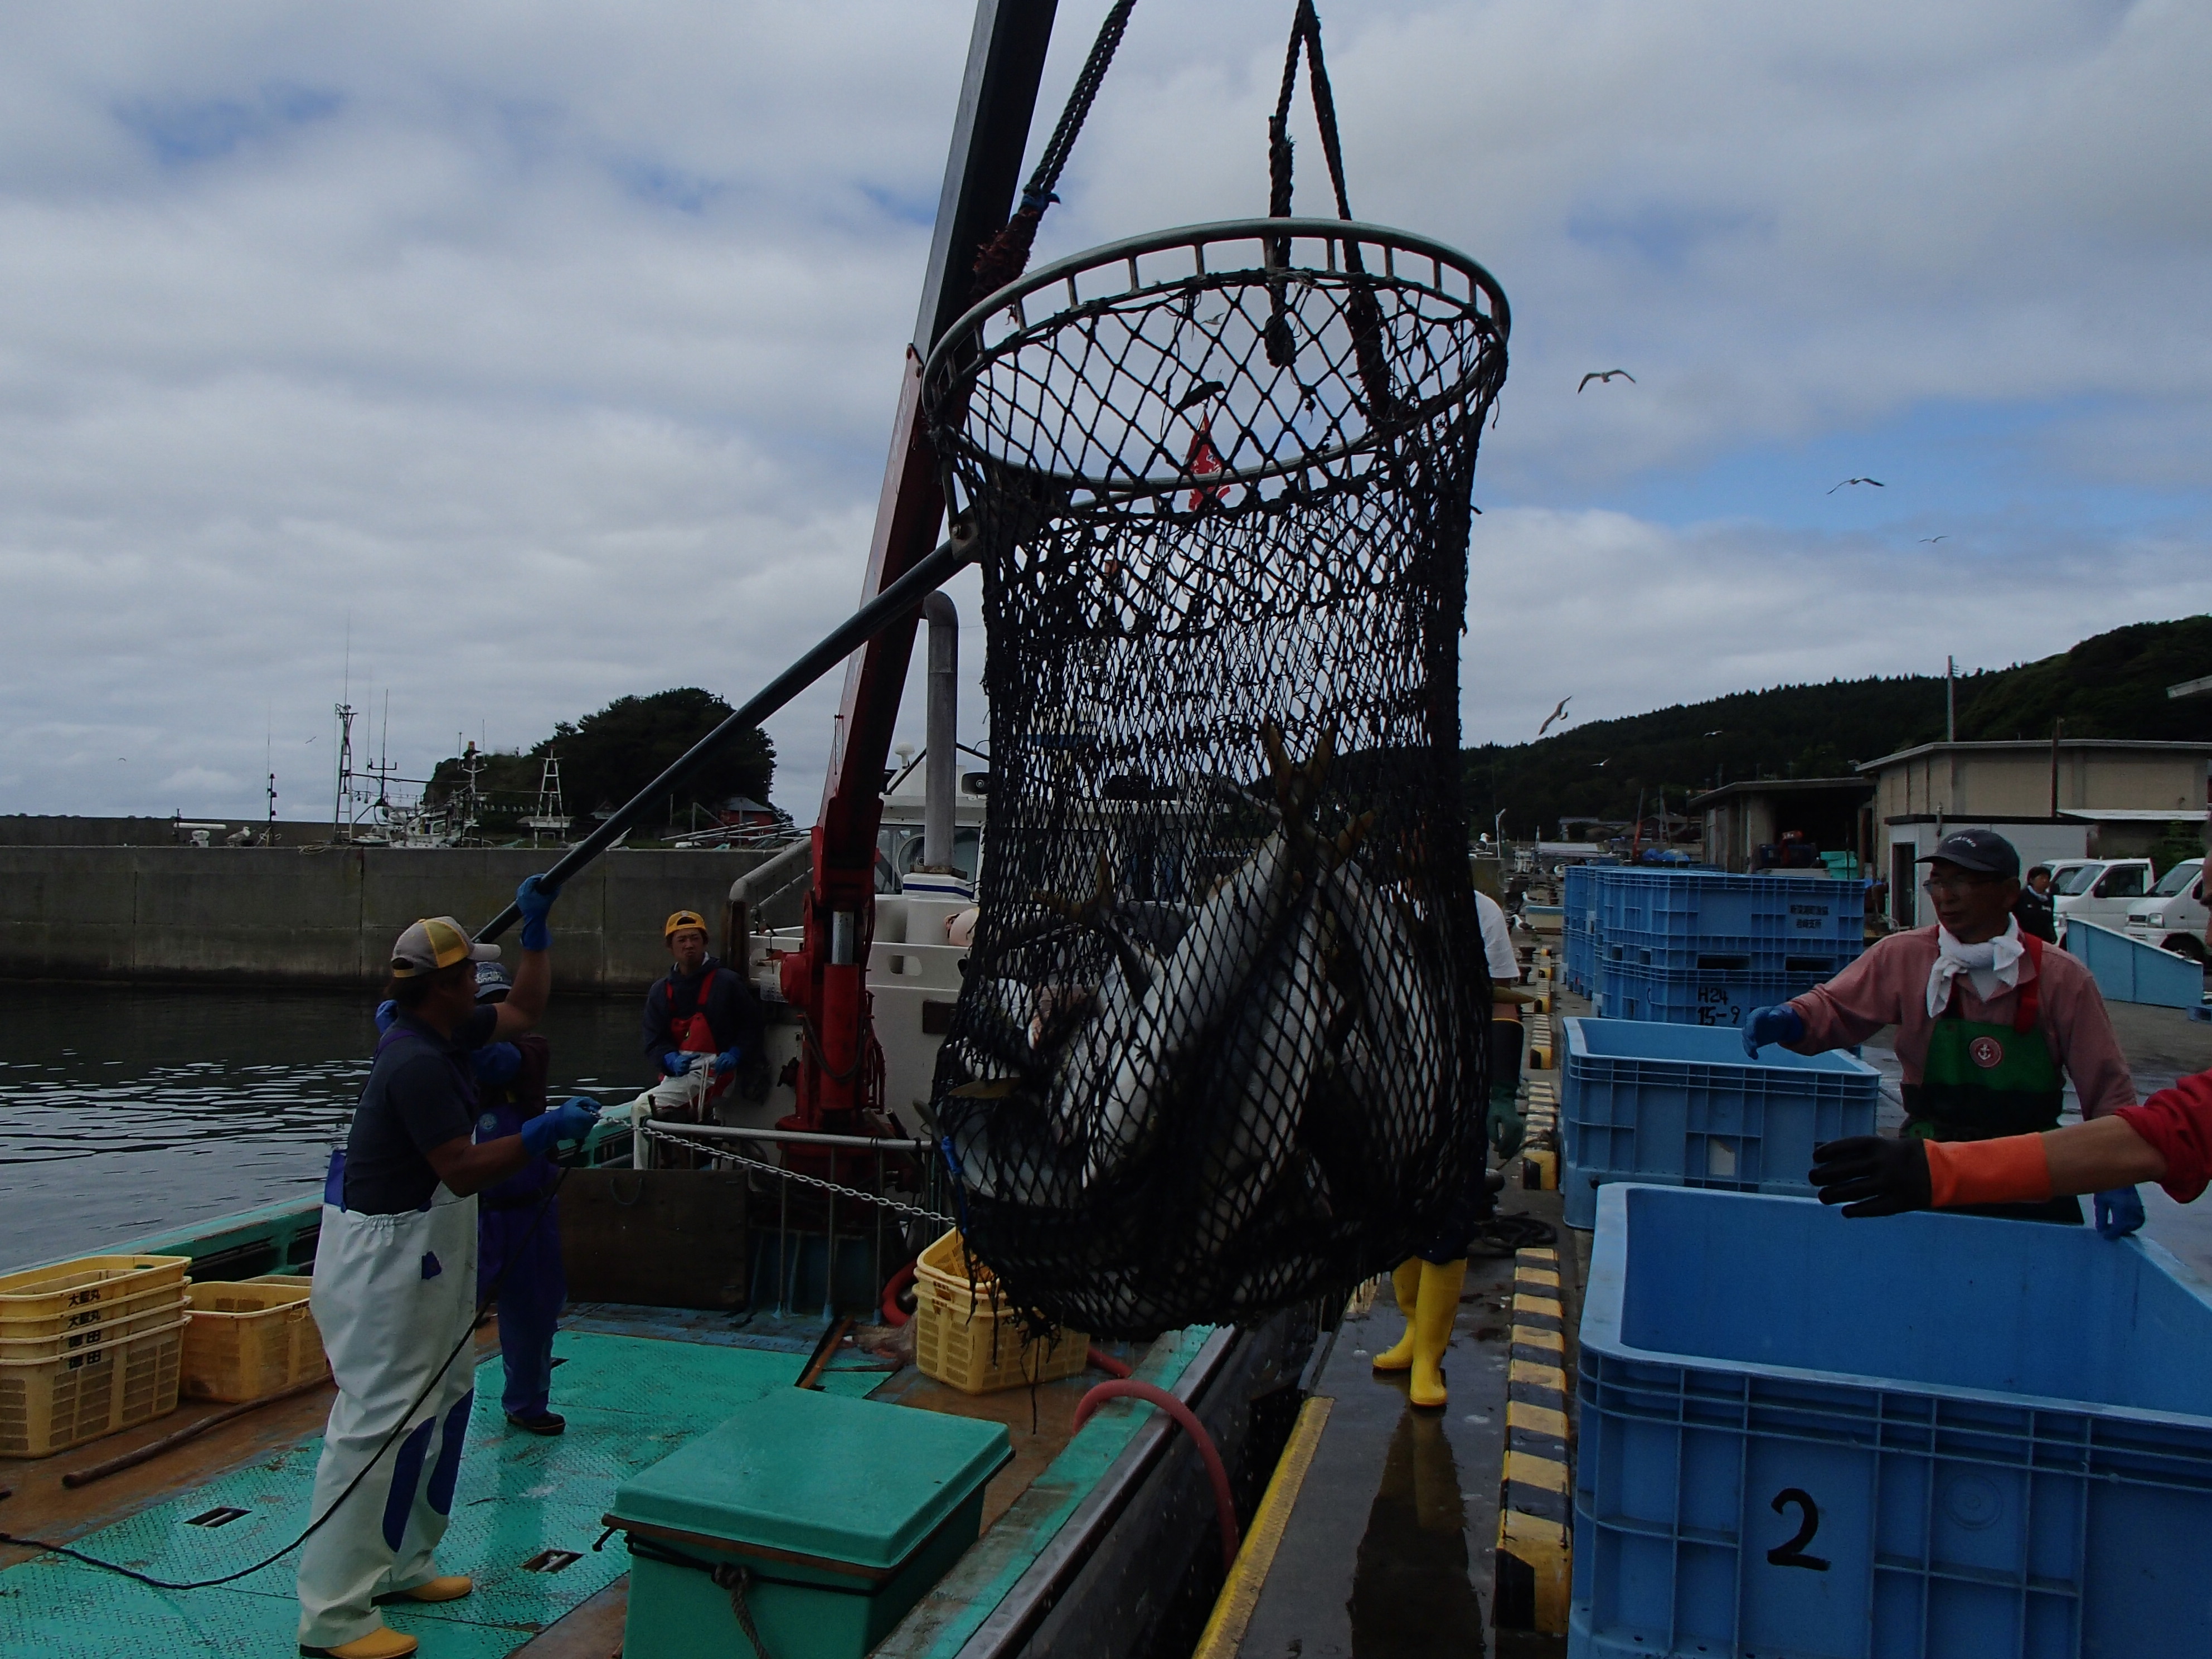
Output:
[[826, 981]]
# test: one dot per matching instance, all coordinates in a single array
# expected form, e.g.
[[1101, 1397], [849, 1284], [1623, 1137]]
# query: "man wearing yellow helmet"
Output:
[[700, 1013]]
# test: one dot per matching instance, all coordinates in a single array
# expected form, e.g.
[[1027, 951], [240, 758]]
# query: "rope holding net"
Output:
[[1007, 255], [1221, 1045]]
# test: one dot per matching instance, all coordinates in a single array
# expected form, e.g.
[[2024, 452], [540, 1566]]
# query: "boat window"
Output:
[[2178, 877], [899, 847], [2122, 881], [2077, 880]]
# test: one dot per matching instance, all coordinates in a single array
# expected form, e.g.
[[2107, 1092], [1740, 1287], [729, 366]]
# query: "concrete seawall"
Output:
[[327, 916]]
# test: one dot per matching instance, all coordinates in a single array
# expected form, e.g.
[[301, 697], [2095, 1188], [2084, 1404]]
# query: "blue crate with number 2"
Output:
[[1927, 1437]]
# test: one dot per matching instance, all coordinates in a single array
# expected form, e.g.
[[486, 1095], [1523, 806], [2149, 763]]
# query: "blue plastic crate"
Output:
[[1681, 1105], [1687, 920], [1931, 1436], [1583, 925], [1714, 999], [1578, 941]]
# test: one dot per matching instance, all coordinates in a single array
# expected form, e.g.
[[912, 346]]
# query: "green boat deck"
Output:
[[634, 1384]]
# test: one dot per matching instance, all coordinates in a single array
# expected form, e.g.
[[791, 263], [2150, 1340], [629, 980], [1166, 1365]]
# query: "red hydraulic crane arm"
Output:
[[827, 981]]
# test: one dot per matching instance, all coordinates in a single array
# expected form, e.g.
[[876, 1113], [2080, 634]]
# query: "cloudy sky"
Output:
[[547, 352]]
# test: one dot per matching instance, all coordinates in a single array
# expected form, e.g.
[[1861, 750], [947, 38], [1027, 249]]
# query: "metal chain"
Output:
[[777, 1169]]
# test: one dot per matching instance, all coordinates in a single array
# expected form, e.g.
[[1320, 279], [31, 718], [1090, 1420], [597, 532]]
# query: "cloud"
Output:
[[1628, 616], [506, 359], [199, 782]]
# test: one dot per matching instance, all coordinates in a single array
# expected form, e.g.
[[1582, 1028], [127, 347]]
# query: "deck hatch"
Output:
[[221, 1516]]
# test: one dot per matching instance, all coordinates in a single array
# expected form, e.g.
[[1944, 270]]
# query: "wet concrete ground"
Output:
[[1389, 1553]]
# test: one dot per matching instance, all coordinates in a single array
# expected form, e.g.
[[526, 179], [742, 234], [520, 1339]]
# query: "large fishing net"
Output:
[[1221, 1045]]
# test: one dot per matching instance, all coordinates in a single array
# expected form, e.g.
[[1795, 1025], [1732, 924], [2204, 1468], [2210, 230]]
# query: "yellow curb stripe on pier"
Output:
[[1233, 1608], [1534, 1558], [1537, 1419]]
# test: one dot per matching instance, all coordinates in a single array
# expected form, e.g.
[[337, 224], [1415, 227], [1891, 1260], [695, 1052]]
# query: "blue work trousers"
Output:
[[530, 1297]]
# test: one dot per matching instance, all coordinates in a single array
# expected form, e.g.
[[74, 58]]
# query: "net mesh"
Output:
[[1221, 1044]]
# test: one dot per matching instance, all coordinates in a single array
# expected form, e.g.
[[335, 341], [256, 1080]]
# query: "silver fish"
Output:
[[1000, 1159], [1266, 1067], [1402, 1042], [1187, 996]]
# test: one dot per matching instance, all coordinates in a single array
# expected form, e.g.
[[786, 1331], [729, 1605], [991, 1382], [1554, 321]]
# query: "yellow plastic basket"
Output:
[[67, 1333], [47, 1406], [249, 1339], [93, 1316], [967, 1337], [81, 1292]]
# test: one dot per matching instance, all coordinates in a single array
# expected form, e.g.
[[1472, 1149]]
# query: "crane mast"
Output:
[[825, 980]]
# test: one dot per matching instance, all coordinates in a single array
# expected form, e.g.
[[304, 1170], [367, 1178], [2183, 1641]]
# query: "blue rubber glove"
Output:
[[572, 1120], [2120, 1211], [725, 1062], [387, 1012], [1779, 1023], [675, 1064], [535, 901], [495, 1062]]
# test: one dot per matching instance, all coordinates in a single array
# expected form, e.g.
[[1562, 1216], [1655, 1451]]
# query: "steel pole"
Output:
[[899, 602]]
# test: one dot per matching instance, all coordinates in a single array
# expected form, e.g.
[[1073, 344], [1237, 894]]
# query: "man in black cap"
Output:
[[2034, 909], [1987, 1019]]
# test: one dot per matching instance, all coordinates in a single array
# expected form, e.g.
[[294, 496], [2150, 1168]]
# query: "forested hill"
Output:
[[2110, 686]]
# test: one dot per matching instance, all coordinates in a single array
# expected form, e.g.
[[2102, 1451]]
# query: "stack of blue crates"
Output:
[[1698, 947], [1687, 1108], [1931, 1436], [1577, 927]]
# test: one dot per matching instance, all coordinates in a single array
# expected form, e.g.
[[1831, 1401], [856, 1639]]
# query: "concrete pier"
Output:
[[327, 915]]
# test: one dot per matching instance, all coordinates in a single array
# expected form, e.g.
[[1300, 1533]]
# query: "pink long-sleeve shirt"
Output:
[[1888, 986]]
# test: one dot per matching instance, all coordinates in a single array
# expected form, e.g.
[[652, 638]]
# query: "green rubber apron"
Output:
[[1981, 1080]]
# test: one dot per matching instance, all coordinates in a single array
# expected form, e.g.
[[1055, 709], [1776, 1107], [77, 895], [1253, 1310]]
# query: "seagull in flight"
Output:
[[1608, 761], [1604, 377], [1924, 540], [1555, 714], [1877, 483]]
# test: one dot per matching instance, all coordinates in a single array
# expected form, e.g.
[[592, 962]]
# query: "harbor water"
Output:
[[125, 1111]]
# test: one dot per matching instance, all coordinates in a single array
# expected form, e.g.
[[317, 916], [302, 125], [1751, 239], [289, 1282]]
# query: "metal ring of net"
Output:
[[1222, 1043]]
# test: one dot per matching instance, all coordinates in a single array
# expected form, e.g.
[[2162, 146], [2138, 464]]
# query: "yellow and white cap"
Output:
[[434, 943], [682, 920]]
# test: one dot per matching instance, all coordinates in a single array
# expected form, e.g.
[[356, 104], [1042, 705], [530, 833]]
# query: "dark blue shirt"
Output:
[[421, 1092]]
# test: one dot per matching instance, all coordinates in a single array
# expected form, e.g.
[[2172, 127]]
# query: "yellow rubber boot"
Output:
[[1438, 1305], [1406, 1280], [378, 1644], [451, 1587]]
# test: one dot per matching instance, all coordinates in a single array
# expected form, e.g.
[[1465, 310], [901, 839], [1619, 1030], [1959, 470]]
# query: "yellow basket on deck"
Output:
[[48, 1405], [250, 1340], [966, 1336], [74, 1295], [57, 1335]]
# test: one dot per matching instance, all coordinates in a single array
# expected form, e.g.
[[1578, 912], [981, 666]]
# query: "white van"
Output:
[[2174, 917], [2102, 891]]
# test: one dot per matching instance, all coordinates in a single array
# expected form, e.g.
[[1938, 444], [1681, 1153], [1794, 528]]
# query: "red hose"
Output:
[[1126, 1387], [893, 1313], [1101, 1360]]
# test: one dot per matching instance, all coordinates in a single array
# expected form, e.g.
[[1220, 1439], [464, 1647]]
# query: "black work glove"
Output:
[[1872, 1175]]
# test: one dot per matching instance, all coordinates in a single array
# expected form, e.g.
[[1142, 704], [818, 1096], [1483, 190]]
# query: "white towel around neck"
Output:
[[1991, 966]]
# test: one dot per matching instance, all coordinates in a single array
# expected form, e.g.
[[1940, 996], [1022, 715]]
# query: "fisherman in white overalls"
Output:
[[395, 1294]]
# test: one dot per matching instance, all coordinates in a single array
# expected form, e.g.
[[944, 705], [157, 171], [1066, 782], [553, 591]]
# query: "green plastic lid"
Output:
[[852, 1481]]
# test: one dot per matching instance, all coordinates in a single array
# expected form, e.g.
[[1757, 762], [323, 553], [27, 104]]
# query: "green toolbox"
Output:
[[817, 1521]]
